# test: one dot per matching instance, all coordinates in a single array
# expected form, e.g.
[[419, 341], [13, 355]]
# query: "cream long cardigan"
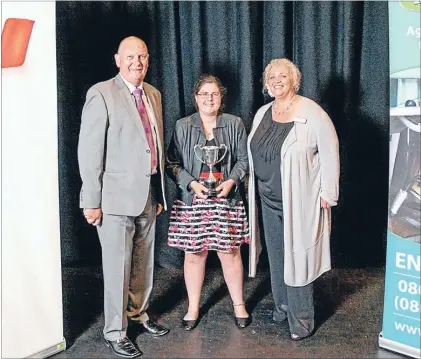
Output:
[[309, 170]]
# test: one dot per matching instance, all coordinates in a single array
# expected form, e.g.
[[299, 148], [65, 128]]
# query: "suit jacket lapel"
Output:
[[129, 103], [153, 112], [151, 107]]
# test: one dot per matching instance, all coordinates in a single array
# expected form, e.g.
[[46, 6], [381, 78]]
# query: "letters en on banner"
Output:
[[401, 316]]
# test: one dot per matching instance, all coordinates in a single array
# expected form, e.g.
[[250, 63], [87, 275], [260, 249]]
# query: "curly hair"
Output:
[[210, 79], [293, 71]]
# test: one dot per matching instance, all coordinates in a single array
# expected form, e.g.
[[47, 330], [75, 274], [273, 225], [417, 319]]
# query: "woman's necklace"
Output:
[[286, 109]]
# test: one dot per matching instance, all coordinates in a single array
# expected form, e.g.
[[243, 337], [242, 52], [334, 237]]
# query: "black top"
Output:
[[265, 148]]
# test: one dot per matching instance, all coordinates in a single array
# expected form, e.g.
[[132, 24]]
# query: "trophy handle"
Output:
[[194, 150], [226, 149]]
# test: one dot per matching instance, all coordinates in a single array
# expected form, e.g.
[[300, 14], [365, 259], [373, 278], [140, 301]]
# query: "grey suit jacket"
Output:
[[113, 152]]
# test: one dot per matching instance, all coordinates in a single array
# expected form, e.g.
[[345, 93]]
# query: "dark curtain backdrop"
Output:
[[340, 47]]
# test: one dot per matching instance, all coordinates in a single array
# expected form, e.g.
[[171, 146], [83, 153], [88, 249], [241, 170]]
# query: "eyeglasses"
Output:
[[207, 94]]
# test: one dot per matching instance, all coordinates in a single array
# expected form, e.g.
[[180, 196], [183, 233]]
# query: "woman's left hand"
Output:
[[324, 203], [225, 188]]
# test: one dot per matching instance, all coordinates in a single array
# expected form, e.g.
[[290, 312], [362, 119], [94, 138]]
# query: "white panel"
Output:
[[32, 313]]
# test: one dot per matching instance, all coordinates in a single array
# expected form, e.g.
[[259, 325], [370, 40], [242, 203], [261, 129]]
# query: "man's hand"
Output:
[[225, 188], [159, 209], [199, 189], [93, 215], [323, 203]]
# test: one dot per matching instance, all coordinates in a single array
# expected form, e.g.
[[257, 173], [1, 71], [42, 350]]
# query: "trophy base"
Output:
[[210, 186], [212, 193]]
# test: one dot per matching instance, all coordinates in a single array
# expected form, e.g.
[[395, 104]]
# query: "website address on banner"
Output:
[[410, 329]]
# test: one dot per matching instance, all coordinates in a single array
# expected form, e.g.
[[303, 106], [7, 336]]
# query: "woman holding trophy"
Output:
[[207, 158]]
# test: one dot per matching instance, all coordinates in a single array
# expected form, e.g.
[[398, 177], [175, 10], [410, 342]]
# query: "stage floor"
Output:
[[349, 304]]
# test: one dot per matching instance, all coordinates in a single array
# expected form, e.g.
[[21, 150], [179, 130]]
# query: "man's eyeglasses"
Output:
[[207, 94]]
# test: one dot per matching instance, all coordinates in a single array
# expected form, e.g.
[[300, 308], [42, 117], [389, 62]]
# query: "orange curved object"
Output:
[[14, 41]]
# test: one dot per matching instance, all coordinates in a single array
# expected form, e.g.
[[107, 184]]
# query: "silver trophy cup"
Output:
[[209, 155]]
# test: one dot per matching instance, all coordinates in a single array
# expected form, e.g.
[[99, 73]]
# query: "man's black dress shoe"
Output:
[[189, 324], [296, 337], [154, 329], [123, 347], [243, 322]]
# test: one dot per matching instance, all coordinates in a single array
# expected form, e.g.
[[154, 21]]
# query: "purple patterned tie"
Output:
[[147, 126]]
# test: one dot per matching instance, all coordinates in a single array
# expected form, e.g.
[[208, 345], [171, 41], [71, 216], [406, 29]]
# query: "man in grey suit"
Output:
[[121, 162]]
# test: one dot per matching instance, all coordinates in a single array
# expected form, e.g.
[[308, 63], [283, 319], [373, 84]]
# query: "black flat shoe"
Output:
[[243, 322], [123, 348], [189, 324]]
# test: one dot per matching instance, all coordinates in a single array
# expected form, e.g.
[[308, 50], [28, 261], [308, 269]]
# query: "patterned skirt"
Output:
[[208, 224]]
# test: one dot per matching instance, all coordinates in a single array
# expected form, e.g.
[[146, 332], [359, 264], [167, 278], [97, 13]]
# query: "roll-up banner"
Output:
[[401, 312]]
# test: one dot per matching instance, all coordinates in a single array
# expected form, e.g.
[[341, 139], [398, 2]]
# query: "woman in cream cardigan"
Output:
[[294, 171]]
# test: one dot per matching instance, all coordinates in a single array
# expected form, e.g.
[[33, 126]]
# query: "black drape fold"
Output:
[[341, 49]]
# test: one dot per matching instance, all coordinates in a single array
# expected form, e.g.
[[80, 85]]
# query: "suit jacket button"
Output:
[[148, 151]]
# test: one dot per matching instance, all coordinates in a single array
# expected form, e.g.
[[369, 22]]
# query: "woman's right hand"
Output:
[[199, 189]]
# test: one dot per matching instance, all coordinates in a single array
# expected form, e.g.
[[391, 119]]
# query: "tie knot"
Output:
[[137, 93]]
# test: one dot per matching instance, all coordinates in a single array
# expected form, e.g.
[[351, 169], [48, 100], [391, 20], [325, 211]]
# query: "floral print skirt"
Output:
[[208, 224]]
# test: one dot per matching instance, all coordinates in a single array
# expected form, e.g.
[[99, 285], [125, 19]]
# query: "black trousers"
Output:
[[294, 303]]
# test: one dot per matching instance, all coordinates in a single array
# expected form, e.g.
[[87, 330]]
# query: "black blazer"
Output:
[[182, 164]]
